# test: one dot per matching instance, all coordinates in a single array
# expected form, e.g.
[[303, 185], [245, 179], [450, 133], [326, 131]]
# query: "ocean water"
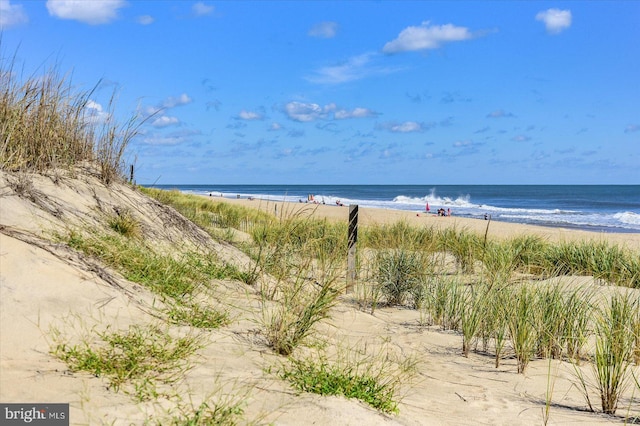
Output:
[[604, 208]]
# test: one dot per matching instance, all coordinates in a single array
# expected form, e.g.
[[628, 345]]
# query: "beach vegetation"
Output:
[[464, 245], [373, 378], [177, 278], [209, 214], [125, 223], [297, 262], [521, 325], [401, 276], [400, 234], [47, 124], [137, 359], [227, 412], [613, 350]]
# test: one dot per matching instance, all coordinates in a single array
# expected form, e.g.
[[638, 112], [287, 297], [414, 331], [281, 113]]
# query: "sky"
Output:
[[351, 92]]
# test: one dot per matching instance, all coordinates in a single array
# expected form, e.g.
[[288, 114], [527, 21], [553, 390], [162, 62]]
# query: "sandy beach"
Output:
[[370, 216], [49, 290]]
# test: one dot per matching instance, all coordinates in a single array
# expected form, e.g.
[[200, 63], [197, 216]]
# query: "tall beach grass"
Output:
[[46, 123]]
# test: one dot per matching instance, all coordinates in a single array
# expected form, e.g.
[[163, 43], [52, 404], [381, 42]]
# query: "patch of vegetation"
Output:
[[401, 275], [210, 215], [46, 124], [170, 276], [141, 356], [125, 223], [228, 413], [374, 380], [196, 315]]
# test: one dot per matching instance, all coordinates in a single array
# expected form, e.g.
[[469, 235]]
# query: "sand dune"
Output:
[[46, 288]]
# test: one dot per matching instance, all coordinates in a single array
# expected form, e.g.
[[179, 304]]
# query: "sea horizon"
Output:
[[593, 207]]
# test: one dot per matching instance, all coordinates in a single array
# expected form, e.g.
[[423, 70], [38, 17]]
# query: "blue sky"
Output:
[[380, 92]]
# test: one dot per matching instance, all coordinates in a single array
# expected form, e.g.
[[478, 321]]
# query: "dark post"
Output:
[[352, 240], [131, 175]]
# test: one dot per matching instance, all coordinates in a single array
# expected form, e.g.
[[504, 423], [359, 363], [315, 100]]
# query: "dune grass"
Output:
[[614, 347], [302, 284], [406, 266], [46, 124], [178, 279]]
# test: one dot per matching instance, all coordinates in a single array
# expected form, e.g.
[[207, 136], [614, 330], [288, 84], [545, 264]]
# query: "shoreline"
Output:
[[380, 216]]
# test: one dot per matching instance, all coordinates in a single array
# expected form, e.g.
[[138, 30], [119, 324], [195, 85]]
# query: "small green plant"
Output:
[[171, 276], [374, 379], [551, 321], [140, 356], [212, 413], [500, 261], [614, 341], [324, 379], [400, 275], [577, 314], [463, 245], [124, 223], [473, 302], [196, 315], [521, 325], [292, 319]]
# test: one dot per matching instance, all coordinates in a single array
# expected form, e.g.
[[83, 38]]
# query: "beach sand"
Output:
[[46, 288]]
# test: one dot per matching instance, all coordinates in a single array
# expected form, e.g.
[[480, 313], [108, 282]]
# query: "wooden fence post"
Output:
[[351, 244], [131, 175]]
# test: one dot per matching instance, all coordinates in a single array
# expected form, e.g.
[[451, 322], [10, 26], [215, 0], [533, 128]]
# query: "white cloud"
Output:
[[355, 113], [11, 14], [165, 121], [202, 9], [426, 37], [324, 30], [172, 101], [406, 127], [275, 127], [555, 20], [89, 12], [632, 128], [305, 112], [146, 20], [249, 115], [354, 68], [94, 113]]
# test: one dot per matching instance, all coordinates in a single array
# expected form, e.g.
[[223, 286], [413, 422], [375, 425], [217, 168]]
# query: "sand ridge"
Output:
[[44, 287]]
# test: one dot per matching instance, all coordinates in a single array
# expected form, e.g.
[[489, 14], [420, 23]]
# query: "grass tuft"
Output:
[[142, 356]]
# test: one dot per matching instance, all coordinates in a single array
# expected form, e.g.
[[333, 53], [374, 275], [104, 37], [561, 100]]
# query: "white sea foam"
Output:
[[630, 218]]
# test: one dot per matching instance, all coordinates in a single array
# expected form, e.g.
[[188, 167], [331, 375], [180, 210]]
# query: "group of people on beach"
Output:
[[441, 211], [312, 199]]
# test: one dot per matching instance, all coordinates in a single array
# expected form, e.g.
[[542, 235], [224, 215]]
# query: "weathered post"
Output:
[[131, 175], [352, 240]]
